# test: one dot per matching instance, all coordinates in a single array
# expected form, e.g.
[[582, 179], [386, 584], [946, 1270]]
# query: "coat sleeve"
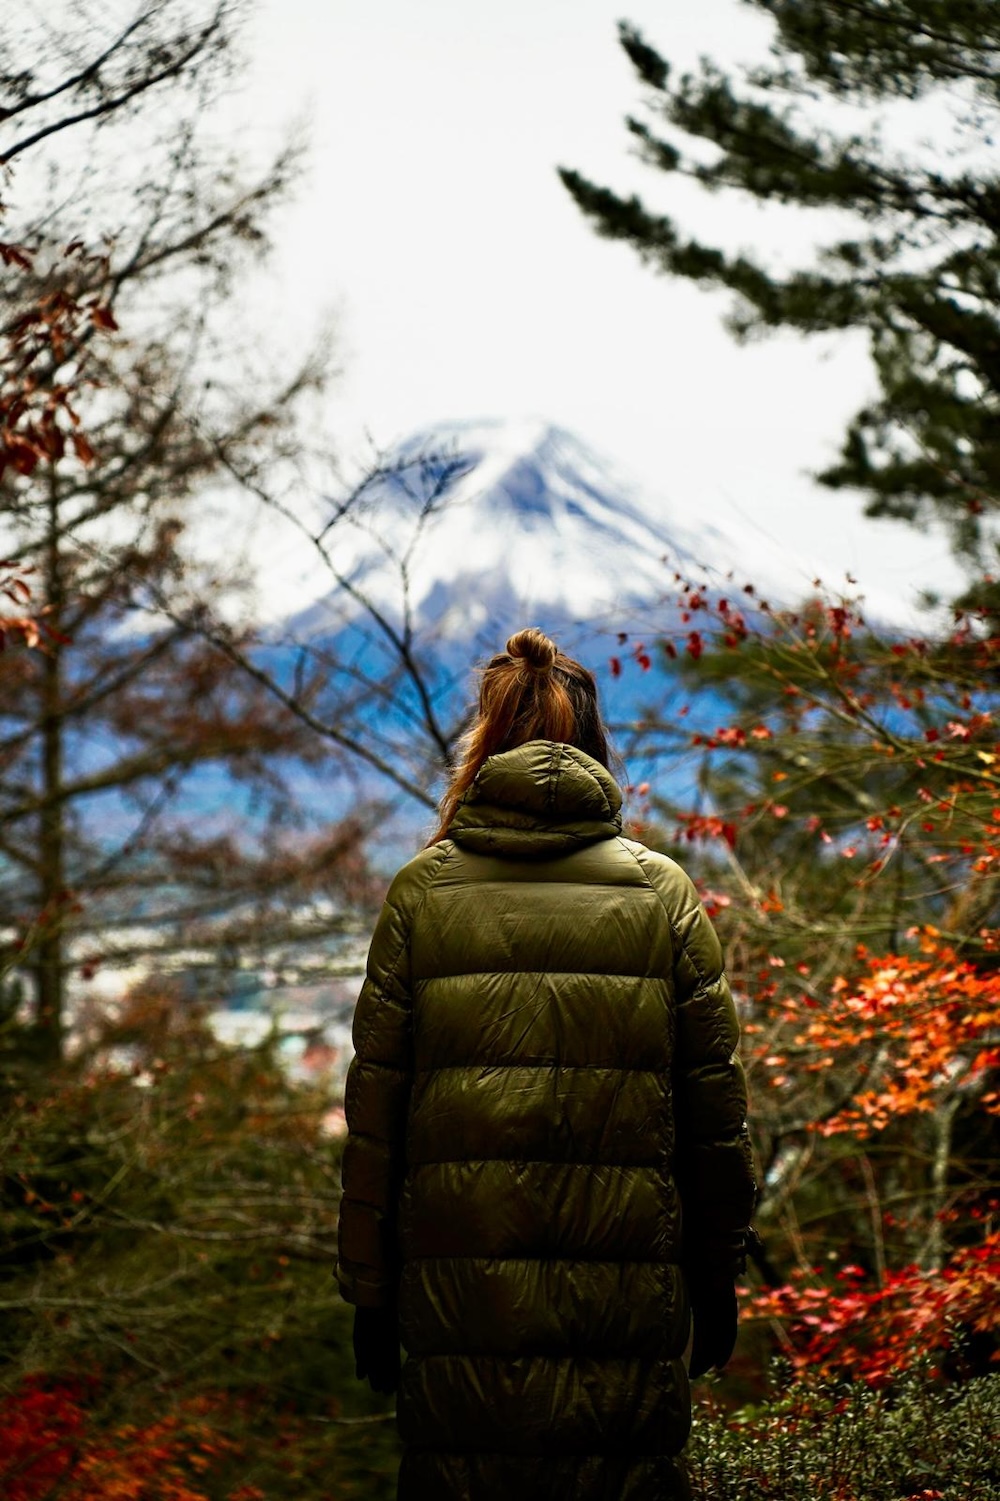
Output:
[[377, 1095], [713, 1157], [713, 1160]]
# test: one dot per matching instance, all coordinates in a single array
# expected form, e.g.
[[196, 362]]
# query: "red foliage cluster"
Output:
[[49, 1447], [871, 1333], [15, 589], [44, 353], [734, 736], [703, 826], [43, 356]]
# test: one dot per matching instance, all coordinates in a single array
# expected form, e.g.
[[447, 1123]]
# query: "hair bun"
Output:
[[532, 647]]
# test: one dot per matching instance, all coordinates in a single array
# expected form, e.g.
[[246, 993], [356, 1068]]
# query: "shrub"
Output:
[[913, 1440], [168, 1214]]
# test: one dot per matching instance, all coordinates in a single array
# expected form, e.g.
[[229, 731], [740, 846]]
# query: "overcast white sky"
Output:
[[467, 284]]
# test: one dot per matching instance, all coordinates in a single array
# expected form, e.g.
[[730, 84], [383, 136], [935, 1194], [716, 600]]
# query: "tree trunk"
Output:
[[932, 1256], [52, 896]]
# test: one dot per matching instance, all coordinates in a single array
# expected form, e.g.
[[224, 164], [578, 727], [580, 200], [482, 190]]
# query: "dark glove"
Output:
[[714, 1314], [376, 1348], [711, 1276]]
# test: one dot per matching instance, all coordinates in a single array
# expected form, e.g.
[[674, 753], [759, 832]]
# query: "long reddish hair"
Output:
[[531, 691]]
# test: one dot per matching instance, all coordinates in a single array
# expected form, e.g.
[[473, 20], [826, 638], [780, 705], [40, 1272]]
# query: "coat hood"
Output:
[[542, 798]]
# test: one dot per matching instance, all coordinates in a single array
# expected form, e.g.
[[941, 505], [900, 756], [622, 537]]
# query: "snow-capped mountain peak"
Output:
[[529, 521], [479, 523]]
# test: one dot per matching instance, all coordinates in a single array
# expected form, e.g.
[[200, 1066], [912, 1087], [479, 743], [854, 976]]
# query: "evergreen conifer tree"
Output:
[[919, 271]]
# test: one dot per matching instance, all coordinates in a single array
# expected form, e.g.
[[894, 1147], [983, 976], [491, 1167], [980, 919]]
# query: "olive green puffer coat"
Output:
[[545, 1074]]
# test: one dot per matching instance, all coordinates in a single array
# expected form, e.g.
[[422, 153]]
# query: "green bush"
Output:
[[168, 1219], [914, 1440]]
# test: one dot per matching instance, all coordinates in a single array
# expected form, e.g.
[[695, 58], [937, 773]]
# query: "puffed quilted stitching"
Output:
[[382, 970]]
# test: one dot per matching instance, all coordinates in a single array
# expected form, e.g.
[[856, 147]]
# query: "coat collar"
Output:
[[542, 798]]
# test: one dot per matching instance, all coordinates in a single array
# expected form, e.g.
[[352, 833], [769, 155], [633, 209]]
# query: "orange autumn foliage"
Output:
[[928, 1021]]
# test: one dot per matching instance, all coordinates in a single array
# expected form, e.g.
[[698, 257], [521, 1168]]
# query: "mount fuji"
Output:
[[466, 533], [471, 527]]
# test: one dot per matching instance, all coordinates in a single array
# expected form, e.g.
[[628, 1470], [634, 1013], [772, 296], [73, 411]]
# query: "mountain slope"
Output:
[[532, 524]]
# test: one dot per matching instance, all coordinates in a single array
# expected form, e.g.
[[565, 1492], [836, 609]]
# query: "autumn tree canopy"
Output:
[[130, 394], [844, 827]]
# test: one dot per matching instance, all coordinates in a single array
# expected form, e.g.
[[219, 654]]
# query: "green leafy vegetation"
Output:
[[915, 1440], [168, 1212]]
